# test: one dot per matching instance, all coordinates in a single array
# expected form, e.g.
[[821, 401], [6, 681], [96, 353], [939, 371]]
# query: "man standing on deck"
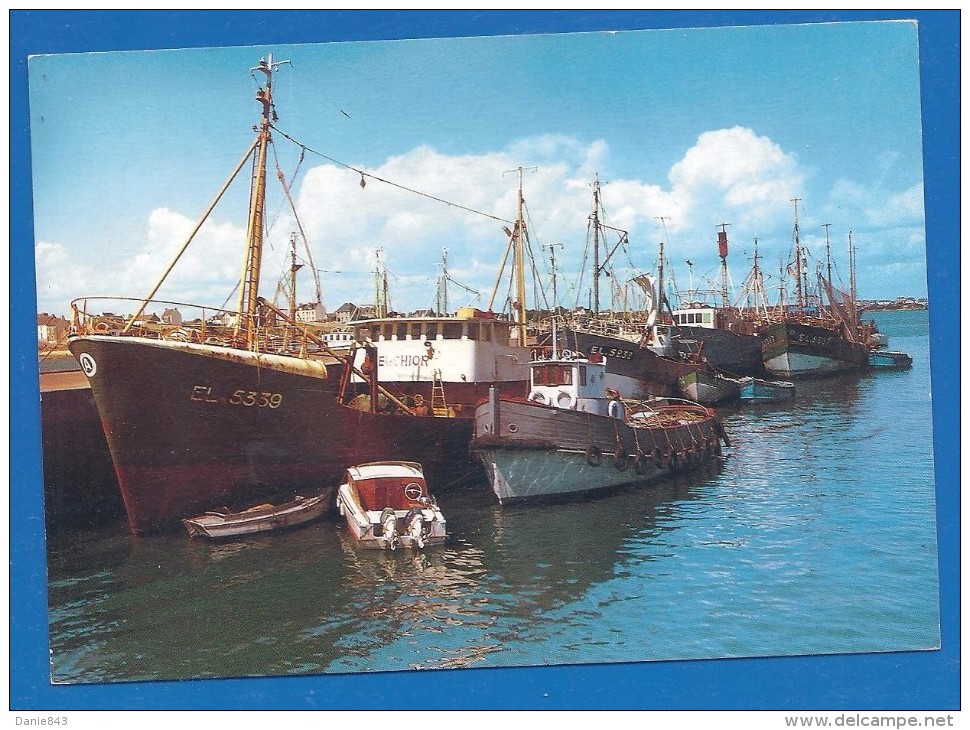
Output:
[[617, 409]]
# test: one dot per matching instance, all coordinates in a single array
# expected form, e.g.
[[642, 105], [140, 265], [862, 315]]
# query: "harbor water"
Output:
[[815, 534]]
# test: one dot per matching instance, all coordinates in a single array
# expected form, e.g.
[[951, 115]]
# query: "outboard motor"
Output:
[[414, 522], [389, 526]]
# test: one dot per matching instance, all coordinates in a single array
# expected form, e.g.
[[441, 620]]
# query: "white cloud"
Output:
[[207, 269], [346, 223], [59, 278], [728, 175], [874, 205], [49, 254], [900, 209], [744, 169]]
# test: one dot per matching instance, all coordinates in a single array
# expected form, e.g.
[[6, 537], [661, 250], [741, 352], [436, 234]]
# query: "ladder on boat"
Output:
[[439, 406]]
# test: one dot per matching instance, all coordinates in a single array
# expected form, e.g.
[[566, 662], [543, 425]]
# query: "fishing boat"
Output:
[[637, 369], [415, 380], [339, 341], [387, 505], [727, 334], [883, 359], [79, 480], [385, 424], [645, 357], [449, 360], [720, 334], [571, 434], [218, 406], [804, 346], [756, 390], [224, 523], [811, 339], [709, 388], [655, 364]]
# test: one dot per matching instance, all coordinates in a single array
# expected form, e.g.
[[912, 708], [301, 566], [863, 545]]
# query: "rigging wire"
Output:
[[582, 266], [232, 294], [537, 287], [270, 224], [364, 175]]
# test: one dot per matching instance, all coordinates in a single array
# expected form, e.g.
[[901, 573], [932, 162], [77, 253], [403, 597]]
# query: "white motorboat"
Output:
[[387, 505]]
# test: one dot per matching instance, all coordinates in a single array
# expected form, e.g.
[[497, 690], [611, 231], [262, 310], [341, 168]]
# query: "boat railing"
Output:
[[662, 409], [273, 331], [631, 330]]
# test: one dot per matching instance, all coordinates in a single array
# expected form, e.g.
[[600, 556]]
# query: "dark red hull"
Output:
[[191, 427], [79, 479]]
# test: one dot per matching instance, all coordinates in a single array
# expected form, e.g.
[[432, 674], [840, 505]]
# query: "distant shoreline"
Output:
[[894, 307], [61, 359]]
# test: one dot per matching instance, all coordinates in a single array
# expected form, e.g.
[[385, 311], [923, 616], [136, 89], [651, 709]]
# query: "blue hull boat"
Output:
[[882, 359], [755, 390]]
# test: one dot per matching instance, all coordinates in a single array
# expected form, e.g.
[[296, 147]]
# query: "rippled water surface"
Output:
[[815, 535]]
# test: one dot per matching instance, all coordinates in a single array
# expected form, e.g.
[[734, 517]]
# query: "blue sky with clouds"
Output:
[[698, 126]]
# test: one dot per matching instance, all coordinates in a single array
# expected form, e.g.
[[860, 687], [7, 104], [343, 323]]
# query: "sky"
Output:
[[685, 129]]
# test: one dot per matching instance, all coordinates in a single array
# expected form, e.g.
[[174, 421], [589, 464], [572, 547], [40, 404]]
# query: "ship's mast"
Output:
[[515, 247], [520, 307], [595, 222], [294, 267], [441, 305], [381, 303], [756, 281], [828, 253], [252, 262], [799, 293], [661, 296], [441, 291], [782, 287], [722, 251], [306, 241], [852, 282], [386, 295], [552, 256]]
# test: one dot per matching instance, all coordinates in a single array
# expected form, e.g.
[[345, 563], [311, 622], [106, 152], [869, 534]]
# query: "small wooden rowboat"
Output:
[[892, 360], [387, 505], [755, 390], [218, 524]]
